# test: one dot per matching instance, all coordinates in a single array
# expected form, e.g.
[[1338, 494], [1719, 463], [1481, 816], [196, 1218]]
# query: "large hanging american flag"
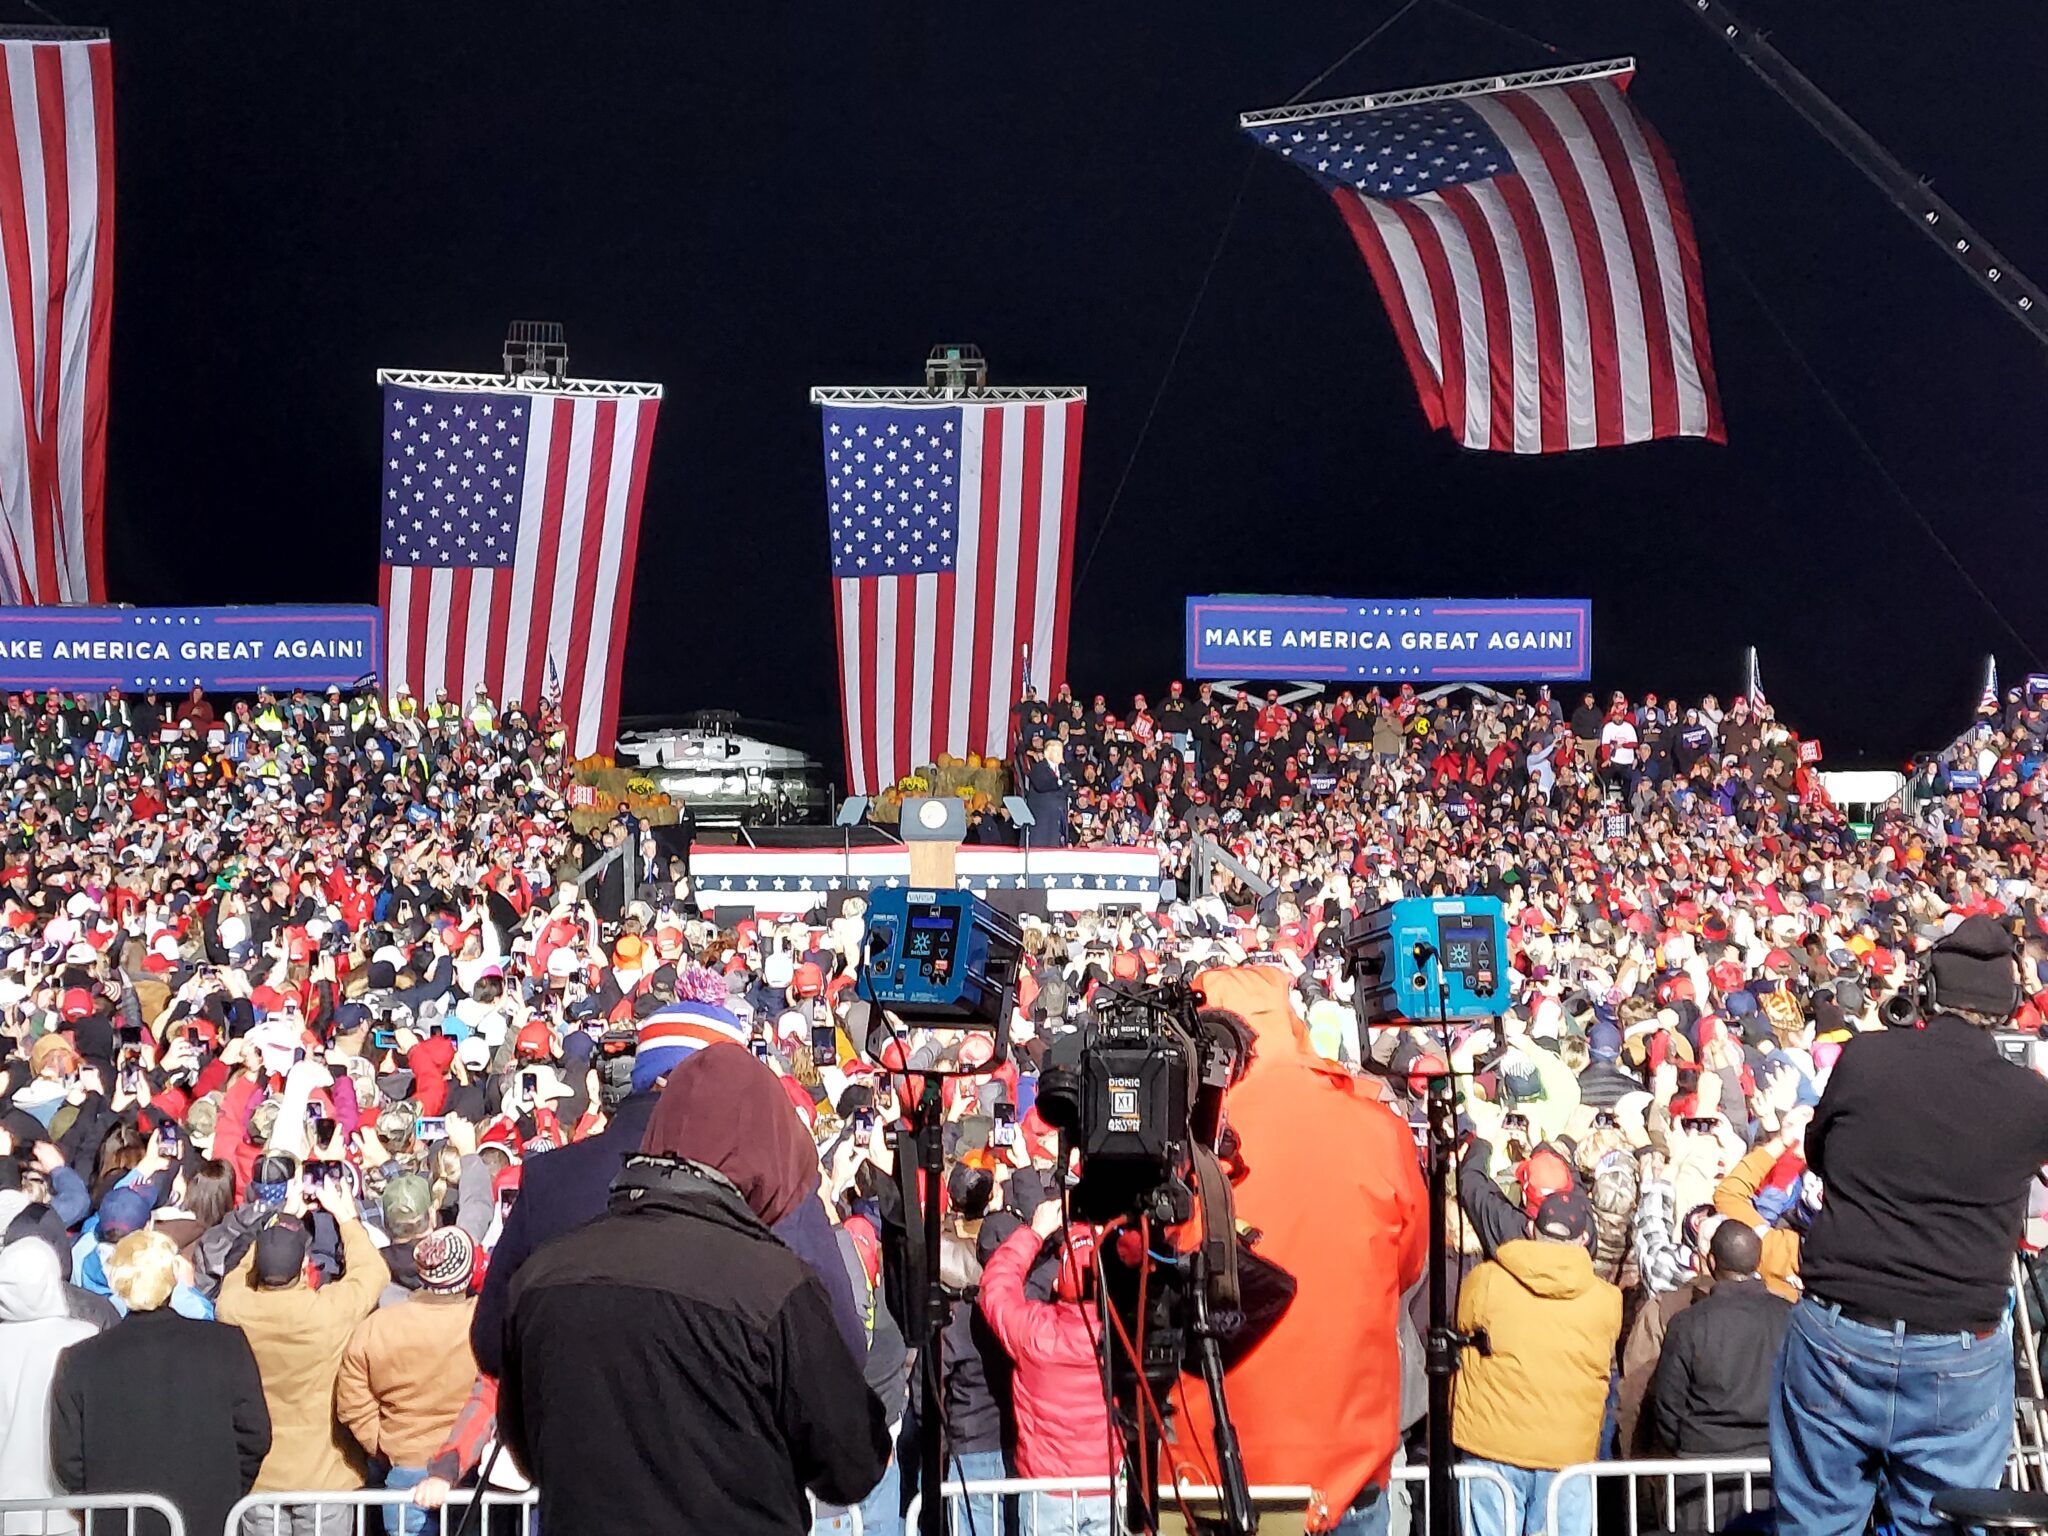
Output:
[[952, 541], [1530, 240], [511, 522], [57, 261]]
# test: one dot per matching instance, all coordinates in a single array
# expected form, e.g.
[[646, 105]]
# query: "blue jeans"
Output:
[[1068, 1514], [1856, 1411], [881, 1512], [403, 1519], [1486, 1516], [1367, 1516], [976, 1514]]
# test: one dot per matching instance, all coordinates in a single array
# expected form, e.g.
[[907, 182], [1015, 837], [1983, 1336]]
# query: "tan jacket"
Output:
[[1538, 1398], [298, 1335], [1735, 1197], [406, 1374]]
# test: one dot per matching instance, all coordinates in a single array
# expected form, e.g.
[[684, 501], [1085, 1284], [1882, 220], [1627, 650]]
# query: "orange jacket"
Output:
[[1333, 1186]]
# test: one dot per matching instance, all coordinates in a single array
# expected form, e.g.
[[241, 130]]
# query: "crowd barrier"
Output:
[[1714, 1490], [1271, 1497], [60, 1514], [360, 1512]]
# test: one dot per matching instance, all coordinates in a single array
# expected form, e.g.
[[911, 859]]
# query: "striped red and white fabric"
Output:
[[952, 529], [511, 524], [1533, 249], [57, 258]]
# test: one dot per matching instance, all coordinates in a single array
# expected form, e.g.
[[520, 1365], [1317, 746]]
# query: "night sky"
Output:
[[741, 207]]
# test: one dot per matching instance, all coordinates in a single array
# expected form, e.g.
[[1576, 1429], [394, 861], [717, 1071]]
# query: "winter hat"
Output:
[[1973, 969], [123, 1211], [670, 1035], [445, 1259]]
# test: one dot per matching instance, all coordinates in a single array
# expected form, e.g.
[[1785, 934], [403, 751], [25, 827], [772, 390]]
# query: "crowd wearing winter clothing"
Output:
[[343, 1108]]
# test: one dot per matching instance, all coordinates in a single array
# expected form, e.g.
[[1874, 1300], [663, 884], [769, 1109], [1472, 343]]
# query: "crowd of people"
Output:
[[349, 1100]]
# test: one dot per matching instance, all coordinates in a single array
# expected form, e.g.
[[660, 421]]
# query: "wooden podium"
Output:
[[933, 827]]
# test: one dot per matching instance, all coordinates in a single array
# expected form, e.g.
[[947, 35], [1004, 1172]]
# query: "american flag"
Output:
[[57, 263], [1753, 685], [1987, 698], [1534, 252], [511, 520], [952, 532]]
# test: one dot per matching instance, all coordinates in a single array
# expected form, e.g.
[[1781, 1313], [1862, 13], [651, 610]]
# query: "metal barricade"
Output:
[[1729, 1482], [60, 1513], [360, 1512], [1416, 1475], [965, 1521]]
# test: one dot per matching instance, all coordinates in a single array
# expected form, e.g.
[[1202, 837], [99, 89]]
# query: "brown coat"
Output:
[[406, 1374], [1639, 1356], [298, 1335]]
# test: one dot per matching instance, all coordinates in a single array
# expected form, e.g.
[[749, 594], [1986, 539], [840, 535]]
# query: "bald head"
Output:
[[1735, 1250]]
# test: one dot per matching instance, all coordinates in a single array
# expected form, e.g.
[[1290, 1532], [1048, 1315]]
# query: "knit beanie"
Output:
[[1973, 969], [444, 1259]]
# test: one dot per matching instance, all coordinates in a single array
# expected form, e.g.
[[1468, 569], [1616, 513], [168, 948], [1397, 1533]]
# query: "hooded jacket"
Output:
[[34, 1330], [1536, 1396], [1062, 1420], [1333, 1187], [678, 1315]]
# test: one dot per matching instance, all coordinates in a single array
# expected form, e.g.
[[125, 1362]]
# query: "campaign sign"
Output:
[[1402, 639], [235, 649]]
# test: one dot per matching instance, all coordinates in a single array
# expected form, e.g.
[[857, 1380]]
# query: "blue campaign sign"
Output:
[[1402, 639], [235, 649]]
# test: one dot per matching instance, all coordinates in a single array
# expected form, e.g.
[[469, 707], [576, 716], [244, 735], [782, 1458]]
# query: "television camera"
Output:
[[1138, 1094]]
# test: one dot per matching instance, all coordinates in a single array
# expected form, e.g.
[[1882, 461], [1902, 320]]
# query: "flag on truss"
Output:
[[1753, 685], [951, 525], [1987, 700], [1530, 240], [511, 522], [57, 266]]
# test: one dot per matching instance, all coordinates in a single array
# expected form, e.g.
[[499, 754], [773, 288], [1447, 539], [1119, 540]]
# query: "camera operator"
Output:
[[1897, 1371], [1317, 1400]]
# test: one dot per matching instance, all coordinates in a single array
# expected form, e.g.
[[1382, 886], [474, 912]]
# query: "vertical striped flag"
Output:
[[511, 522], [1753, 684], [952, 543], [1987, 698], [1530, 240], [57, 262]]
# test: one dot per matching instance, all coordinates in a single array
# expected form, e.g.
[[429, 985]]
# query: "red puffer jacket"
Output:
[[1062, 1424]]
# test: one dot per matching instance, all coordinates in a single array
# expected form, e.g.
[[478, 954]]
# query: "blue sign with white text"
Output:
[[1400, 640], [238, 650]]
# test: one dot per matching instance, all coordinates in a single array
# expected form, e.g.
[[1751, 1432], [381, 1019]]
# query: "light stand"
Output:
[[1442, 1346]]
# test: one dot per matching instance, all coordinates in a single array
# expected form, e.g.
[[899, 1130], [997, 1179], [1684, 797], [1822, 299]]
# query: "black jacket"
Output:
[[1920, 1223], [672, 1367], [571, 1185], [161, 1404], [1712, 1395]]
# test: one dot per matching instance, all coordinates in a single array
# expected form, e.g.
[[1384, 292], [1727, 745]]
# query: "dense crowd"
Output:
[[320, 1019]]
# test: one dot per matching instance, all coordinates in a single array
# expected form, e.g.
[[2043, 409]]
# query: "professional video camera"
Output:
[[1138, 1093]]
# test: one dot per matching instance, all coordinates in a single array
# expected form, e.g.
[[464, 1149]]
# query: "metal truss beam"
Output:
[[1308, 111], [497, 383]]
